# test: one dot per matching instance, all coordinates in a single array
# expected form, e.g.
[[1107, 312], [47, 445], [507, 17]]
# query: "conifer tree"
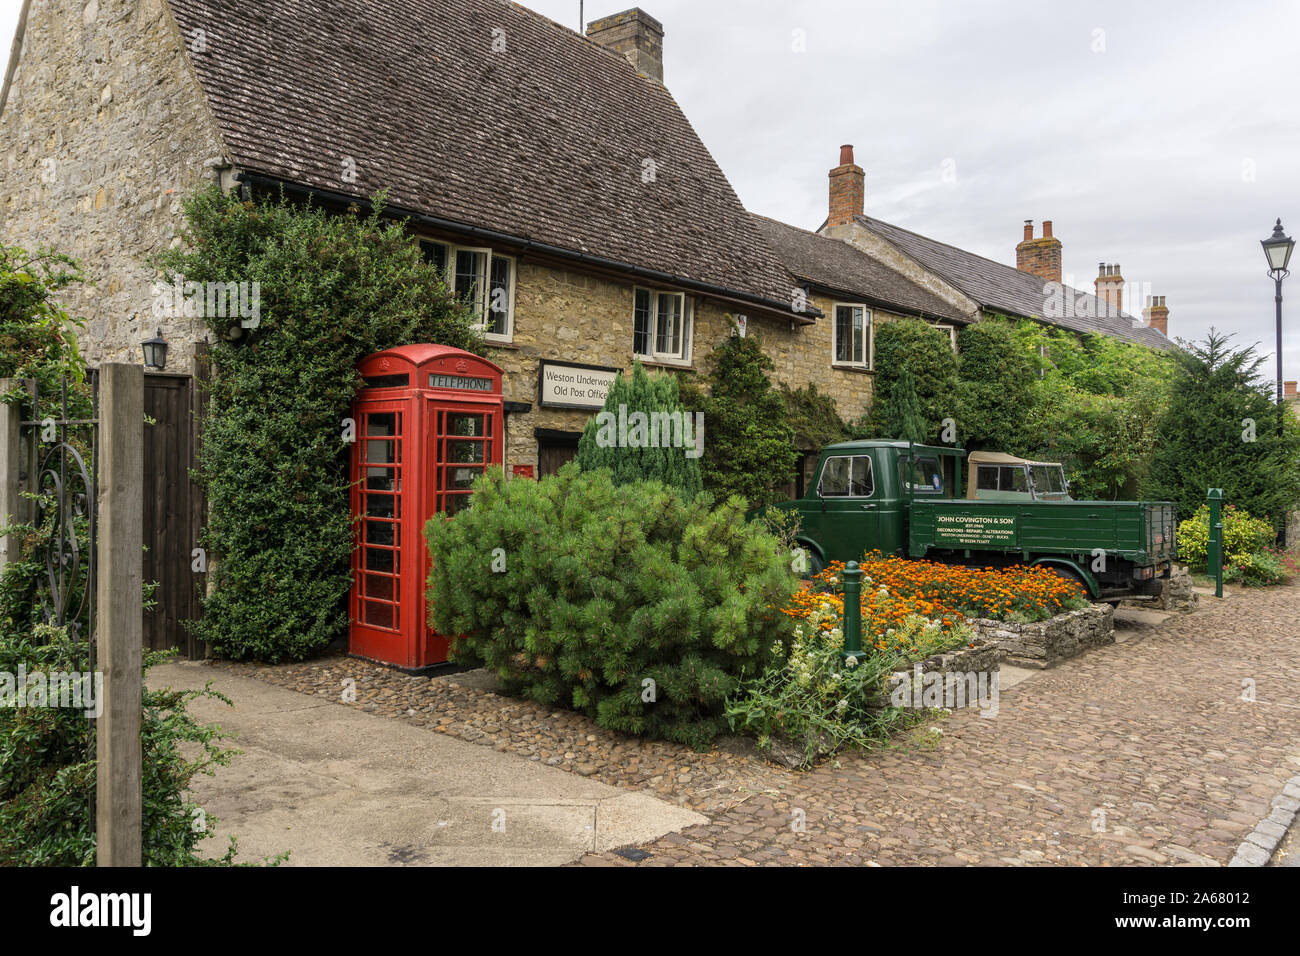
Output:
[[900, 410], [644, 434]]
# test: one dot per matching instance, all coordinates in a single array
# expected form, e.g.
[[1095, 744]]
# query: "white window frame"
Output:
[[869, 334], [485, 295], [683, 357], [952, 333]]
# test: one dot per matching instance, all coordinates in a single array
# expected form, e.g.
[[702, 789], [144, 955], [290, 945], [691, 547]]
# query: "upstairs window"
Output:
[[852, 346], [480, 278], [661, 326]]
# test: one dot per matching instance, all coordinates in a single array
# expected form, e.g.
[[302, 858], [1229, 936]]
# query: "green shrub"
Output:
[[47, 768], [646, 454], [1258, 569], [1243, 536], [334, 288], [809, 695], [607, 587]]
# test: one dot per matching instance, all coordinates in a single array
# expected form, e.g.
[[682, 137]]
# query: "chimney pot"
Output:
[[1029, 229], [1047, 229], [846, 155], [636, 35]]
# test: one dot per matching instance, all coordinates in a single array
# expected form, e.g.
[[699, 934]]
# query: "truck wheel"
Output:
[[1073, 577], [815, 563]]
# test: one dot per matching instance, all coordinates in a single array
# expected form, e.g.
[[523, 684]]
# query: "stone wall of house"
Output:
[[104, 131], [566, 316]]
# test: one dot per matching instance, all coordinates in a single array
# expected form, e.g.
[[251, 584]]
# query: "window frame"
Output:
[[951, 330], [482, 307], [684, 356], [871, 477], [868, 334]]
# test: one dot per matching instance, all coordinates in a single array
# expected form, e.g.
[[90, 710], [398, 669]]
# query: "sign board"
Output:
[[974, 530], [461, 382], [562, 385]]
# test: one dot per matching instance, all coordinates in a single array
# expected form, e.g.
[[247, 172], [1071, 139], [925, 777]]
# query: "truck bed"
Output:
[[1139, 531]]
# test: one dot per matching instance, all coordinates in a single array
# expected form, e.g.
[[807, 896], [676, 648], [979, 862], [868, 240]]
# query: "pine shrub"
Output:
[[627, 602]]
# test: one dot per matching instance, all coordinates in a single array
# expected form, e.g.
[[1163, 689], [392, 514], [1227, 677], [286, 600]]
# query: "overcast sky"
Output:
[[1147, 132]]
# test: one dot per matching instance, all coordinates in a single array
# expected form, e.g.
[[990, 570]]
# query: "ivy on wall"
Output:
[[330, 289]]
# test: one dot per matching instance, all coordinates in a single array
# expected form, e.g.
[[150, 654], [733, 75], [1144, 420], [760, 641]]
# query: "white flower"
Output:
[[851, 662]]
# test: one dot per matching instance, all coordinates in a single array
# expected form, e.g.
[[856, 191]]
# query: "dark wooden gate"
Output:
[[173, 512]]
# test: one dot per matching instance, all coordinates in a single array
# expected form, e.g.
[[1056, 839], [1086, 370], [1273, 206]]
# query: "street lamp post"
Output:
[[1277, 249]]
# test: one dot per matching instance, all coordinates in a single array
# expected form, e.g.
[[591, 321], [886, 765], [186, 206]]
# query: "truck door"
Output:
[[850, 524]]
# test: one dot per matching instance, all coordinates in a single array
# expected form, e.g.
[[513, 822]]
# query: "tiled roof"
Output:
[[1006, 289], [835, 265], [548, 140]]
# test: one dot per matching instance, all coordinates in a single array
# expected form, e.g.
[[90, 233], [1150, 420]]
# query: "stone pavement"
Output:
[[1143, 752], [336, 786]]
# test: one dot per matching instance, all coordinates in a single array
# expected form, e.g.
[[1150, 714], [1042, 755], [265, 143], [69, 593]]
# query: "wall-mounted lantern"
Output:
[[155, 352]]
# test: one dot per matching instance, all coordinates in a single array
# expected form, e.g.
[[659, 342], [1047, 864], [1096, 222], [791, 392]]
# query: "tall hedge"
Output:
[[334, 287], [749, 445], [629, 603], [927, 354]]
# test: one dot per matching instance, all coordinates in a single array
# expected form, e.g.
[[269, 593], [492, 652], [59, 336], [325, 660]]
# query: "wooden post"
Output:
[[118, 624], [12, 464], [200, 383]]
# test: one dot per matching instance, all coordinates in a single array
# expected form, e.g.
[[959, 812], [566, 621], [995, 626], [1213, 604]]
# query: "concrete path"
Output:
[[339, 787]]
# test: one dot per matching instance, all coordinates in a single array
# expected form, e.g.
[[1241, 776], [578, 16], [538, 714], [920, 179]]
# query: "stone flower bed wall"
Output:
[[984, 658], [1047, 643]]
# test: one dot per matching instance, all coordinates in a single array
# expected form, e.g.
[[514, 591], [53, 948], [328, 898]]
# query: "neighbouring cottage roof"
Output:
[[1003, 288], [548, 140], [837, 266]]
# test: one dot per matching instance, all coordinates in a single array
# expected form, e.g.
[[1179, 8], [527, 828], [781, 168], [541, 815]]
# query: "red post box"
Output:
[[429, 422]]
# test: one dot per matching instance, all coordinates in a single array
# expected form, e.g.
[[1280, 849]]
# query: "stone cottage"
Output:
[[552, 177]]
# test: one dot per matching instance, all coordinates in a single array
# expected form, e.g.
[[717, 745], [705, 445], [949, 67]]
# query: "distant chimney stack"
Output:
[[1110, 287], [1040, 257], [1288, 391], [1157, 314], [848, 190], [636, 35]]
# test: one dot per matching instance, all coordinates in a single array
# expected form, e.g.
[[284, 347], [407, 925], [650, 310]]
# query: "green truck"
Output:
[[905, 499]]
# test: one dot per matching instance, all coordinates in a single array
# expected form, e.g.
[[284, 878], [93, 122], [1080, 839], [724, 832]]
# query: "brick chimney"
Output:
[[1110, 286], [1040, 257], [1156, 314], [635, 34], [848, 190], [1288, 391]]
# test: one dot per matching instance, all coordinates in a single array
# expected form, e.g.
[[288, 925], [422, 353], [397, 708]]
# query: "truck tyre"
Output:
[[1073, 577], [815, 563]]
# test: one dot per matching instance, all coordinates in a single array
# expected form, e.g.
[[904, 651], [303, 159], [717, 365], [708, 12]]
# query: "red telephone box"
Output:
[[429, 422]]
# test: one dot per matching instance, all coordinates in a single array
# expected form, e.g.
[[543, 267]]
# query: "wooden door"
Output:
[[169, 508]]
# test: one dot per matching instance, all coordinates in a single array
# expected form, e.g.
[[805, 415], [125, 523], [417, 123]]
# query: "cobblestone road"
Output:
[[1139, 753]]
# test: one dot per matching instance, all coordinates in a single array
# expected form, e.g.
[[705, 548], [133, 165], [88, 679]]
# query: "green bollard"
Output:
[[1215, 556], [853, 612]]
